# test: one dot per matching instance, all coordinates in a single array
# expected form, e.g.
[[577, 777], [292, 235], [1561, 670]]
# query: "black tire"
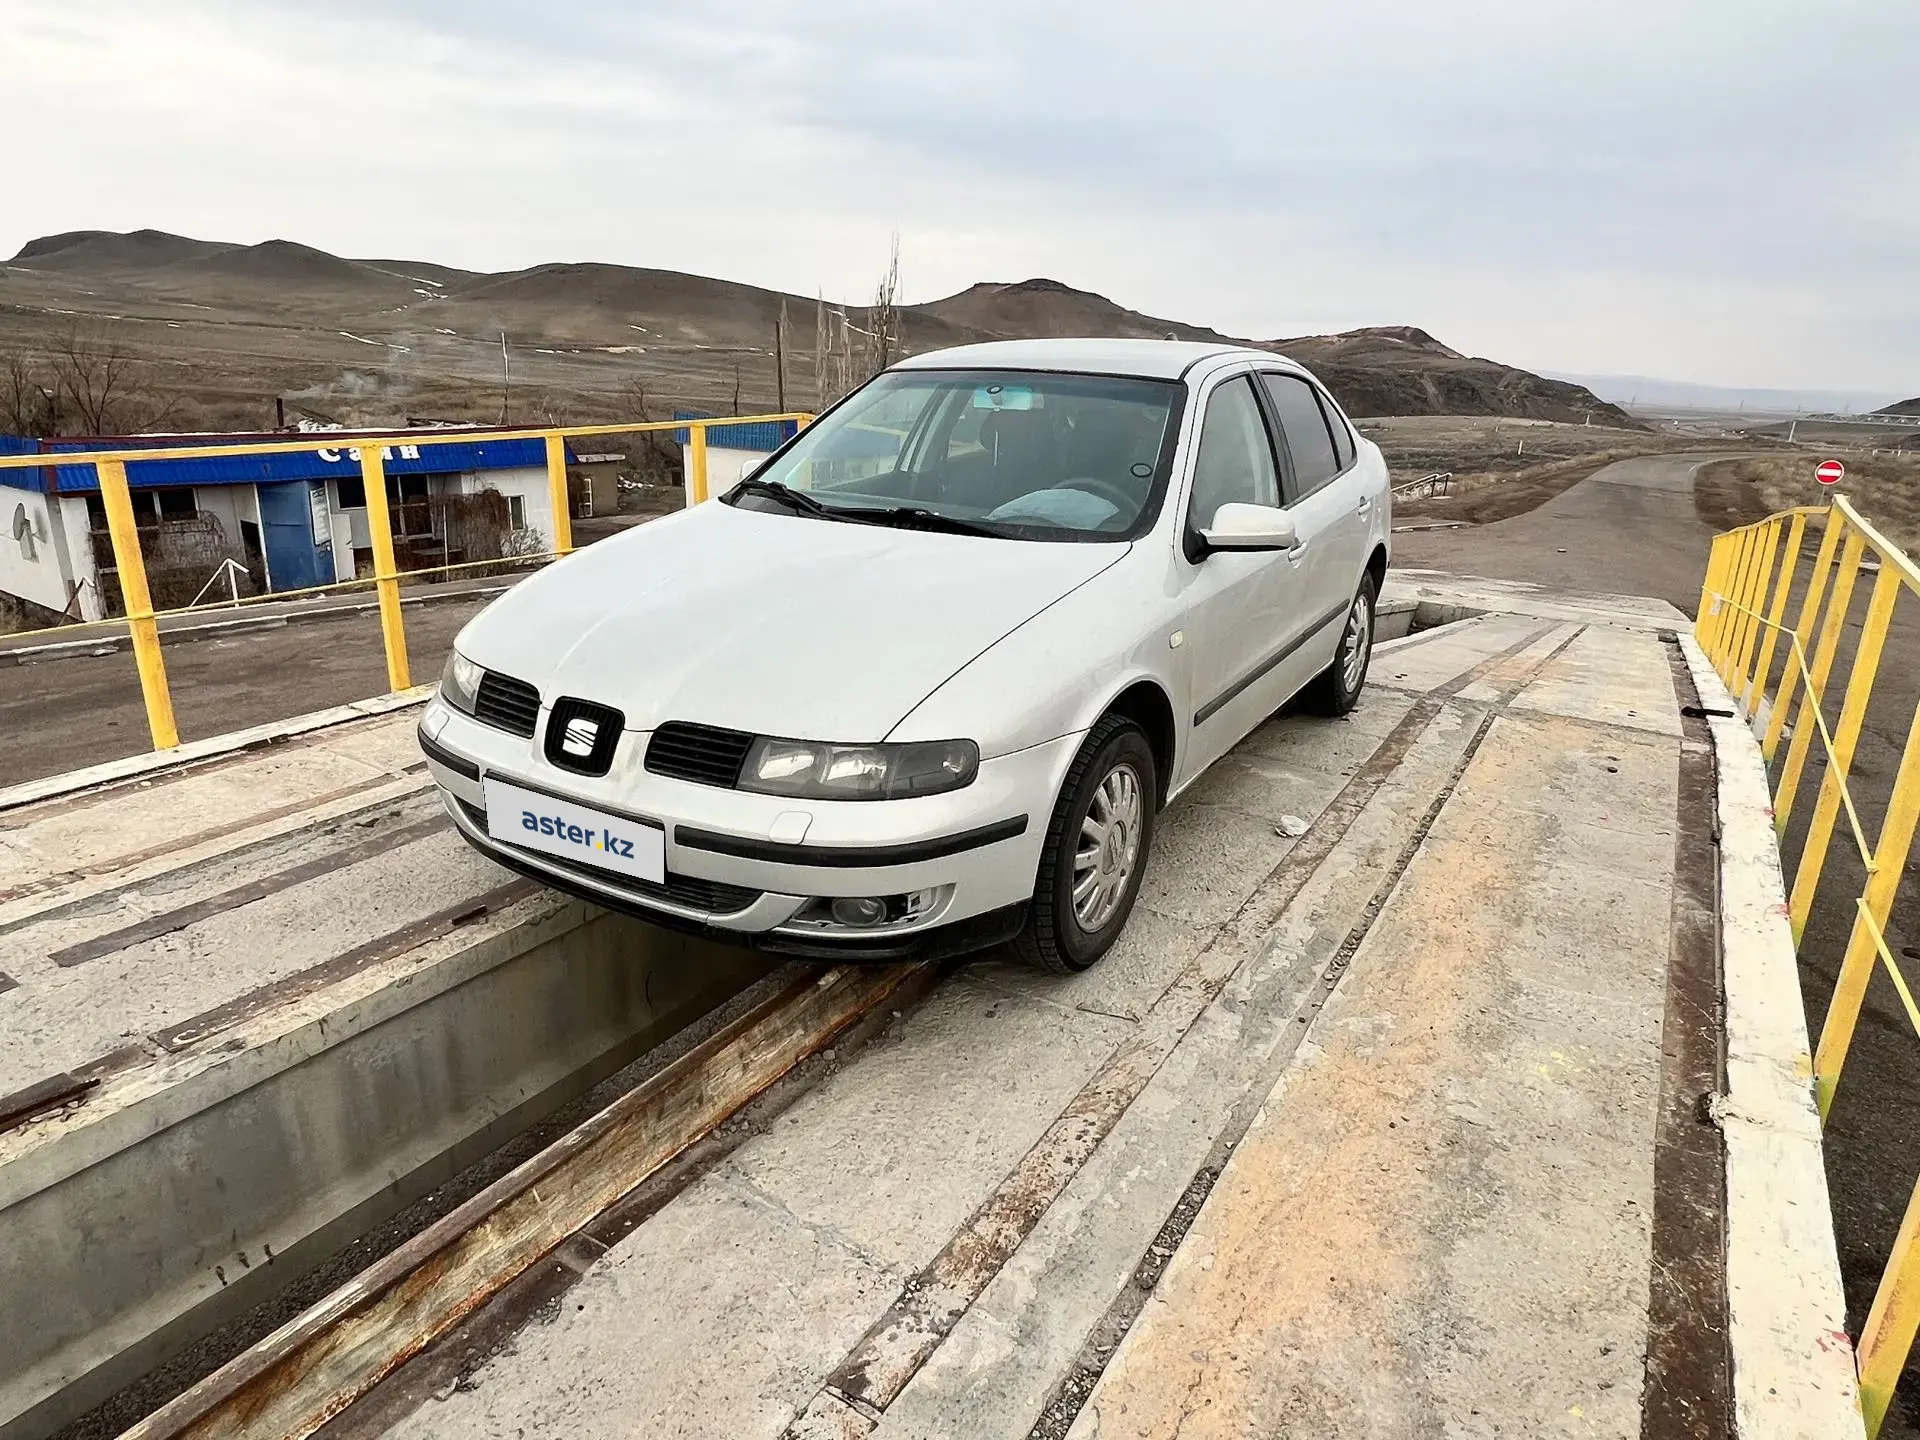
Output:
[[1055, 939], [1329, 692]]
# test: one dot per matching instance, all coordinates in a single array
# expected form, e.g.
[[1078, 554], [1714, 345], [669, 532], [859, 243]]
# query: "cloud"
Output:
[[1723, 191]]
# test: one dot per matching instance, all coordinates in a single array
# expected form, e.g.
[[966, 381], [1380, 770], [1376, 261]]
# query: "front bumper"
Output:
[[728, 878]]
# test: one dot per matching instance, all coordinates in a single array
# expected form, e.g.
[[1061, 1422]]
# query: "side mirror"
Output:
[[1251, 527]]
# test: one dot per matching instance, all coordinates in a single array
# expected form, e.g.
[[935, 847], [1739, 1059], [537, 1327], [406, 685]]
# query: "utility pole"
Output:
[[780, 358], [506, 378]]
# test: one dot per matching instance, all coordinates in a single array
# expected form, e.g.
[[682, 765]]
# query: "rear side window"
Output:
[[1308, 440], [1342, 435]]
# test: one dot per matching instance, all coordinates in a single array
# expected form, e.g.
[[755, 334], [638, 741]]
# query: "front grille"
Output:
[[506, 704], [714, 897], [705, 754]]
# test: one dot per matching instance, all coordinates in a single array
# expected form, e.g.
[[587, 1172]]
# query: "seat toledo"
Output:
[[921, 683]]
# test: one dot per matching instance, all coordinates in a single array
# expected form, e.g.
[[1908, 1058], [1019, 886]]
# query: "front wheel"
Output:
[[1096, 852], [1336, 690]]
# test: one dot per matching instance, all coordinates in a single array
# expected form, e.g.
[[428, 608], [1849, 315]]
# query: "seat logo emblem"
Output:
[[579, 737]]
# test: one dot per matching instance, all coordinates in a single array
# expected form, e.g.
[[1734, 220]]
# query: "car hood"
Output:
[[769, 623]]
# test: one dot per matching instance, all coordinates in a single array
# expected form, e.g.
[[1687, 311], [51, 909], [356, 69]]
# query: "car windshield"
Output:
[[1027, 455]]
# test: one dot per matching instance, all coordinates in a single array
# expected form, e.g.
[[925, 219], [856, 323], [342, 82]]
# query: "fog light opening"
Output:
[[862, 911], [872, 912]]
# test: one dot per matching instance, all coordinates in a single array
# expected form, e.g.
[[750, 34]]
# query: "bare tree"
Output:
[[819, 352], [103, 389], [654, 453], [736, 389], [883, 317], [26, 397]]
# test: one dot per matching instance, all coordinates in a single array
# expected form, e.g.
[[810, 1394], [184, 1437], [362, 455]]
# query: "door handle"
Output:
[[1366, 504]]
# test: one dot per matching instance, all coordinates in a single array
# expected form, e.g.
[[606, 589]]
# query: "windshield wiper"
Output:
[[793, 499], [915, 517]]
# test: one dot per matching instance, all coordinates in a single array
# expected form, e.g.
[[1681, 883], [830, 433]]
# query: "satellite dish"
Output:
[[23, 529]]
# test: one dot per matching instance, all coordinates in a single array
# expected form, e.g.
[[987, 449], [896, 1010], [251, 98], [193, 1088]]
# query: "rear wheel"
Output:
[[1098, 840], [1336, 690]]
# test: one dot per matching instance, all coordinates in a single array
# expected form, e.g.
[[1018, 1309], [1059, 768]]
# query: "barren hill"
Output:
[[1401, 370], [1901, 407], [221, 329], [1048, 308], [285, 262]]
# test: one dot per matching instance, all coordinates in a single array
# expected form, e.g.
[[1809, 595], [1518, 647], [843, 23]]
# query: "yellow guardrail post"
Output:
[[1730, 572], [141, 628], [1831, 628], [1708, 613], [697, 460], [1889, 864], [393, 629], [1887, 1338], [1776, 612], [557, 494], [1803, 632], [1718, 612], [1755, 598], [1750, 545], [1853, 713]]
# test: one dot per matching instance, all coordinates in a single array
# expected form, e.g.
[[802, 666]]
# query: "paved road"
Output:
[[1632, 529]]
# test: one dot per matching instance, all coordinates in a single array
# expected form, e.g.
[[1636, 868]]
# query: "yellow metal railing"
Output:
[[142, 620], [1751, 577]]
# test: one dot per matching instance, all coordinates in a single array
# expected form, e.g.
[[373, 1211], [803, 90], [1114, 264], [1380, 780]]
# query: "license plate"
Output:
[[517, 816]]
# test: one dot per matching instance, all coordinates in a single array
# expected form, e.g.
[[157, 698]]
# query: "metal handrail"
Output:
[[1438, 483], [368, 448], [1757, 566]]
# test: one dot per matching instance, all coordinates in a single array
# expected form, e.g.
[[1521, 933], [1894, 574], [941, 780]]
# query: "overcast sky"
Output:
[[1714, 190]]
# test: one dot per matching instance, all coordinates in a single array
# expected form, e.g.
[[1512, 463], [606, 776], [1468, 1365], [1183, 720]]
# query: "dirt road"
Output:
[[1629, 529]]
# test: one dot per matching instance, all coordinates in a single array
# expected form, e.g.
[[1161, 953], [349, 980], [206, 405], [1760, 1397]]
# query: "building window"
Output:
[[353, 493], [150, 507], [517, 511]]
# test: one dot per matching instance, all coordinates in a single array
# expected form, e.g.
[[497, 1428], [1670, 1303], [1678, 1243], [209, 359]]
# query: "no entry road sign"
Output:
[[1830, 472]]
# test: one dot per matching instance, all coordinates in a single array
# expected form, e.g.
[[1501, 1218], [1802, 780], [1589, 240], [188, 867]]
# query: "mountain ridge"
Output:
[[333, 311]]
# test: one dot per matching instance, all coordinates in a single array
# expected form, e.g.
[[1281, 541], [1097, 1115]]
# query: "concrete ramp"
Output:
[[1396, 1112]]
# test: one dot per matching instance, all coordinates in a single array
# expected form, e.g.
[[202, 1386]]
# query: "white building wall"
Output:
[[77, 525], [725, 468], [223, 503], [529, 483], [31, 568]]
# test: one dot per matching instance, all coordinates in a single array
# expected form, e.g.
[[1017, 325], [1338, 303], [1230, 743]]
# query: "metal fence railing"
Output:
[[110, 468], [1752, 577], [1439, 483]]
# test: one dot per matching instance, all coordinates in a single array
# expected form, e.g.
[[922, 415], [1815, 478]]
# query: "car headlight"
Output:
[[858, 772], [460, 682]]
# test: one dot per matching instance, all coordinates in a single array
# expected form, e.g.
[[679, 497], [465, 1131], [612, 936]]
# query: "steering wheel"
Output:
[[1123, 501]]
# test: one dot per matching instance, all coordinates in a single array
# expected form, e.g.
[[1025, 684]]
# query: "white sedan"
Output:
[[920, 684]]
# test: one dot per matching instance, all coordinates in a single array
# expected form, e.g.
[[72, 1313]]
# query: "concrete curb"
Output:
[[1793, 1363], [133, 767]]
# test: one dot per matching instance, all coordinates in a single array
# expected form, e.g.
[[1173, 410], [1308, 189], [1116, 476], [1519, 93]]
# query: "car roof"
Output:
[[1148, 359]]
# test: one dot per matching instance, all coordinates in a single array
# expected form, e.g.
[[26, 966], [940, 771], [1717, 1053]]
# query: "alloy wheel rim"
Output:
[[1354, 649], [1108, 848]]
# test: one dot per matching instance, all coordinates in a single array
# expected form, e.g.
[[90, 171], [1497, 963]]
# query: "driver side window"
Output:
[[1235, 462]]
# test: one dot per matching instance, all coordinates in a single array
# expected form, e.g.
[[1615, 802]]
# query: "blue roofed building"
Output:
[[286, 521], [732, 450]]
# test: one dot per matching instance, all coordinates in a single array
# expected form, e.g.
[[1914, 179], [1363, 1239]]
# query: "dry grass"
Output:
[[1885, 489]]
